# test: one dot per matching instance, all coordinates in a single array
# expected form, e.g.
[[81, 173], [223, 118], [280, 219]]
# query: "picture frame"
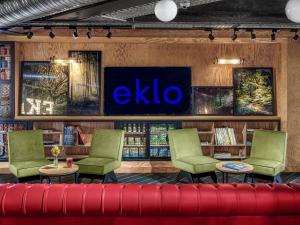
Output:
[[254, 91], [55, 89], [212, 100]]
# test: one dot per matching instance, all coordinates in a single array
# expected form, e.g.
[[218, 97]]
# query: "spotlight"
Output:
[[89, 33], [253, 35], [29, 34], [273, 35], [234, 36], [296, 36], [75, 34], [211, 36], [109, 34], [51, 34]]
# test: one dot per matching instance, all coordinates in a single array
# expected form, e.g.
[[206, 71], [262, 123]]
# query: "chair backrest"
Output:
[[184, 143], [107, 143], [270, 145], [26, 145]]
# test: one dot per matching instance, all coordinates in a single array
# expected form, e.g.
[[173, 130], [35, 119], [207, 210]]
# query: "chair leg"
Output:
[[183, 174], [277, 179], [214, 177], [246, 178], [110, 176]]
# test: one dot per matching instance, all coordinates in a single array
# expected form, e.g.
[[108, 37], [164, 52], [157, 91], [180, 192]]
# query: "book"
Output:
[[234, 166]]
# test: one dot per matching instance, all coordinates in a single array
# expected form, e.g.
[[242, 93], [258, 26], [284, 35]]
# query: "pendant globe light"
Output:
[[292, 10], [166, 10]]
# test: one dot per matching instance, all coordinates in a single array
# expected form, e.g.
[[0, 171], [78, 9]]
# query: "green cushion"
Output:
[[25, 146], [98, 166], [186, 152], [196, 164], [107, 143], [265, 167], [106, 152], [184, 143], [27, 168], [269, 145], [268, 152]]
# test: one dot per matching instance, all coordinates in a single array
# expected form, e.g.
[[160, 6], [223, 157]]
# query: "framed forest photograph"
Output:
[[61, 89], [213, 100], [253, 91]]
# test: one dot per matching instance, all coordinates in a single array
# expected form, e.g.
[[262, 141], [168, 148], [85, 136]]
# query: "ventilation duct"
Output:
[[17, 11]]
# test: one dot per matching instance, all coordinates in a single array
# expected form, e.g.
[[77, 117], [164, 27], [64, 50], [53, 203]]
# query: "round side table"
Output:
[[247, 170], [49, 171]]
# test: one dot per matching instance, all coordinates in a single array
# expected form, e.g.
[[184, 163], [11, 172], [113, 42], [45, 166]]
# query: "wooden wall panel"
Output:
[[293, 105]]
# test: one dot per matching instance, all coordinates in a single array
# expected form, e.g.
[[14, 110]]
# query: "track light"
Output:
[[75, 34], [211, 36], [273, 35], [253, 35], [234, 36], [89, 33], [29, 34], [109, 34], [51, 34], [296, 36]]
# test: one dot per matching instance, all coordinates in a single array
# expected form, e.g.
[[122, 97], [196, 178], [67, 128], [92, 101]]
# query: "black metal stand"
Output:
[[49, 181], [111, 176], [193, 178]]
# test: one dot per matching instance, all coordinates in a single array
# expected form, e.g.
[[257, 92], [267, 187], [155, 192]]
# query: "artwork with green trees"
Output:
[[213, 100], [253, 91]]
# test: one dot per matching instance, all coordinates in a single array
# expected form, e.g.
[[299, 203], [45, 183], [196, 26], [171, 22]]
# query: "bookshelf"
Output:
[[54, 132], [243, 131], [7, 80], [145, 140]]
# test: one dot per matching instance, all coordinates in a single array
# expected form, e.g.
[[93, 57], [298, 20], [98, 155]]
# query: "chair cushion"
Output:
[[97, 166], [27, 168], [196, 164], [265, 167]]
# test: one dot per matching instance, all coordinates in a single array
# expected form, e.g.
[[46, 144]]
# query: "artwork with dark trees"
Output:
[[68, 88], [84, 83], [213, 100], [253, 89]]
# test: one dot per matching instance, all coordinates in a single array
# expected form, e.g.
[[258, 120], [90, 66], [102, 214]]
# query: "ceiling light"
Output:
[[211, 36], [89, 33], [292, 10], [296, 36], [253, 35], [233, 61], [234, 36], [51, 34], [75, 34], [166, 10], [109, 34], [273, 35], [29, 34]]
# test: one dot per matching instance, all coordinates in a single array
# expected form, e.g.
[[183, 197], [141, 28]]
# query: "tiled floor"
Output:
[[158, 179]]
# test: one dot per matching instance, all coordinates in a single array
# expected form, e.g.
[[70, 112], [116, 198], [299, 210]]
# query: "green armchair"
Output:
[[268, 154], [186, 155], [105, 155], [26, 153]]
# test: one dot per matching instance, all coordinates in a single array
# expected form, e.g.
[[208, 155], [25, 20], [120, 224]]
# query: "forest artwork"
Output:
[[44, 89], [213, 100], [68, 88], [253, 89], [84, 84]]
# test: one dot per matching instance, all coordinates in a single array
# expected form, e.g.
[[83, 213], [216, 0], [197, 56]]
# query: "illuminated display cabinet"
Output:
[[146, 140]]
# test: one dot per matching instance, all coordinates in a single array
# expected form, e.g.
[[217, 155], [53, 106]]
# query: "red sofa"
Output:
[[234, 204]]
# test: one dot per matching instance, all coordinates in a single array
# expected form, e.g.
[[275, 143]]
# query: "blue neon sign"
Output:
[[123, 95]]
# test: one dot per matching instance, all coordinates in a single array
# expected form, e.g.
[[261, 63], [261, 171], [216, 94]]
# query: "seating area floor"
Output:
[[168, 178]]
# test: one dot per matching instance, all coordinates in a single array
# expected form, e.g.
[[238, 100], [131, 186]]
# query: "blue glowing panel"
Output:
[[147, 90]]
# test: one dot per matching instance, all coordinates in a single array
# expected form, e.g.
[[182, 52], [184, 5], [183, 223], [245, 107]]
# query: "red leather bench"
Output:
[[81, 204]]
